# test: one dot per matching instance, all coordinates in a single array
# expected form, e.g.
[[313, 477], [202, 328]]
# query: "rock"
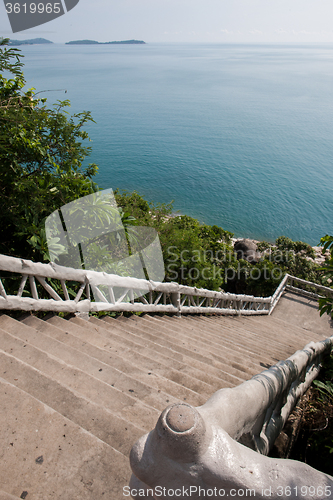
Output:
[[247, 249]]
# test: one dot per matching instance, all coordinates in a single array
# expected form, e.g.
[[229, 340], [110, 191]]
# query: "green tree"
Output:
[[41, 156], [326, 303]]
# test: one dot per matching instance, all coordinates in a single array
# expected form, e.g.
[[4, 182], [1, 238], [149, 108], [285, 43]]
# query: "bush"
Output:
[[41, 155], [315, 441]]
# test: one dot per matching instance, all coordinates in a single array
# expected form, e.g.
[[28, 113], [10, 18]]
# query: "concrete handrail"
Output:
[[136, 295], [133, 294], [288, 283], [213, 450], [278, 293]]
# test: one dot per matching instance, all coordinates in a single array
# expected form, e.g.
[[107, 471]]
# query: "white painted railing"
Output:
[[115, 293], [297, 285], [69, 290], [212, 451]]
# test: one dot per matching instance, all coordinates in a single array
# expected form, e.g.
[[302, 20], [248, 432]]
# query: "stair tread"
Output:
[[241, 336], [90, 415], [239, 327], [193, 377], [135, 409], [106, 381], [102, 353], [270, 329], [188, 363], [144, 332], [85, 363], [48, 456], [184, 332], [217, 344]]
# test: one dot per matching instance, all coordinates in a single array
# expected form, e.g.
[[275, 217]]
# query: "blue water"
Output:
[[237, 135]]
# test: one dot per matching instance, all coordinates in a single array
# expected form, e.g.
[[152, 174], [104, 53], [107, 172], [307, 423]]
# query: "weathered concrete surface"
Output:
[[209, 458], [188, 454], [303, 312], [7, 496], [49, 457], [107, 379]]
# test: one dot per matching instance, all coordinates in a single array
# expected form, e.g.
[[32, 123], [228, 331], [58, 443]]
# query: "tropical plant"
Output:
[[41, 160], [325, 389], [315, 433], [326, 303]]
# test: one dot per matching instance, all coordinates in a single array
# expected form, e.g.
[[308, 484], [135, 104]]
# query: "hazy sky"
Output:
[[188, 21]]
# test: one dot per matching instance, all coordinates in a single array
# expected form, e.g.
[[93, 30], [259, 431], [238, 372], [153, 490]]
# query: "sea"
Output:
[[240, 136]]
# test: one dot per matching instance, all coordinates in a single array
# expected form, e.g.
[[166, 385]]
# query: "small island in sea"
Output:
[[93, 42], [32, 41]]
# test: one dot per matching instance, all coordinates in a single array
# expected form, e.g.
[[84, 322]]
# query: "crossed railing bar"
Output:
[[117, 293], [289, 283]]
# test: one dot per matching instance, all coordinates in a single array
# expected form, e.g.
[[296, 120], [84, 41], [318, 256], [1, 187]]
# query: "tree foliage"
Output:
[[41, 156], [193, 253], [326, 303], [315, 432]]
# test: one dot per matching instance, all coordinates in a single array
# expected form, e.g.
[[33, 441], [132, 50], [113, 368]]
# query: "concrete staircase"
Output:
[[76, 395]]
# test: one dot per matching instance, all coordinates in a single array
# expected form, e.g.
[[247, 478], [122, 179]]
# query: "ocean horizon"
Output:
[[237, 135]]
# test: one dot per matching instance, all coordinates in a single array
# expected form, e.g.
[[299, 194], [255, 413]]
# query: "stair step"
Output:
[[93, 417], [271, 329], [122, 342], [255, 343], [216, 344], [207, 366], [187, 370], [47, 456], [240, 338], [182, 334], [278, 325], [90, 366], [122, 404], [271, 326], [167, 340], [250, 359], [84, 343], [92, 388]]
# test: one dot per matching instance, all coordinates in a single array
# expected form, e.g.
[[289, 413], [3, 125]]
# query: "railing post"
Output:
[[175, 299], [238, 305]]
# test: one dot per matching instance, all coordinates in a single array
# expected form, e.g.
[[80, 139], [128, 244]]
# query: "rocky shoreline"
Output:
[[319, 257]]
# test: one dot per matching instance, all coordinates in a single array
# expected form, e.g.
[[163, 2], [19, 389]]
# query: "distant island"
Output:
[[33, 41], [40, 41], [93, 42]]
